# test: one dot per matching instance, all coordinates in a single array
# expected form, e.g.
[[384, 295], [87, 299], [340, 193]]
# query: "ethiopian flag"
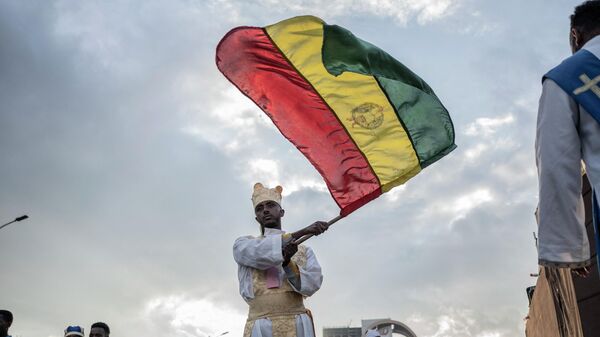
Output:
[[365, 121]]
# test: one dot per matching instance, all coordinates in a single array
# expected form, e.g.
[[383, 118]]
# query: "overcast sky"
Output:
[[135, 159]]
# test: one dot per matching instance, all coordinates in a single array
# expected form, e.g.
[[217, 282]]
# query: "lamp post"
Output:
[[21, 218]]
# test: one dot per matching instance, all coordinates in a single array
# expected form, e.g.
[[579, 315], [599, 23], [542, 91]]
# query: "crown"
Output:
[[262, 193]]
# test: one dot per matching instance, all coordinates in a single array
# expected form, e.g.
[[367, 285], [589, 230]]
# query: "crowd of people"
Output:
[[98, 329]]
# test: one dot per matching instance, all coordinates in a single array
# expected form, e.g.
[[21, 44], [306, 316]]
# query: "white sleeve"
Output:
[[562, 234], [311, 277], [259, 253]]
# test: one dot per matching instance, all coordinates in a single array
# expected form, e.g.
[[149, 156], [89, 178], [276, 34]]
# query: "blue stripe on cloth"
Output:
[[568, 76]]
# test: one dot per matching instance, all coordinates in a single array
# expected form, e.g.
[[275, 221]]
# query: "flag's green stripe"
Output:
[[425, 118], [427, 121]]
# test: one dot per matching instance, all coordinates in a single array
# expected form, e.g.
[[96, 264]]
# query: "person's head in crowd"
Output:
[[99, 329], [6, 319], [74, 330], [585, 24]]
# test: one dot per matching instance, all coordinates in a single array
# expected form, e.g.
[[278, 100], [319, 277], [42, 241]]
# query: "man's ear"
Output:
[[577, 39], [282, 212]]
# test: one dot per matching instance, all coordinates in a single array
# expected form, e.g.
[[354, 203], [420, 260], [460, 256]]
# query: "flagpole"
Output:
[[308, 236]]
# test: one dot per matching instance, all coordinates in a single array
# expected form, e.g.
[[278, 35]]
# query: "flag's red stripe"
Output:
[[248, 58]]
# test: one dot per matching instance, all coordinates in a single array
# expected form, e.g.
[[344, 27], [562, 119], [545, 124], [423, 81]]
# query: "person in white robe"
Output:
[[275, 274], [568, 132]]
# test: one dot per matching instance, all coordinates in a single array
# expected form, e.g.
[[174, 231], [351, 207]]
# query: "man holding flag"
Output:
[[364, 120], [568, 131], [275, 273]]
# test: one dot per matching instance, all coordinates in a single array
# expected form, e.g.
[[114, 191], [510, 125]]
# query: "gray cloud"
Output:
[[135, 159]]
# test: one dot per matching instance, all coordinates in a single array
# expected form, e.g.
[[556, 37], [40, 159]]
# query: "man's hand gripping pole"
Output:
[[303, 237]]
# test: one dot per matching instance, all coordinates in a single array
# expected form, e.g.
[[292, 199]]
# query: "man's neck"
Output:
[[263, 228], [588, 39], [267, 229]]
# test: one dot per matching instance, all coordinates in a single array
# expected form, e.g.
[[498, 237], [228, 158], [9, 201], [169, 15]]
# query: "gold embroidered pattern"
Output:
[[279, 305]]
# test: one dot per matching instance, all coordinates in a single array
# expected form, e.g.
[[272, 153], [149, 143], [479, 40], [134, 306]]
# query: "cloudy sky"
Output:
[[135, 159]]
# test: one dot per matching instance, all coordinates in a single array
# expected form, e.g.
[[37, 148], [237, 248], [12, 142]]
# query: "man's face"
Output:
[[97, 332], [268, 214]]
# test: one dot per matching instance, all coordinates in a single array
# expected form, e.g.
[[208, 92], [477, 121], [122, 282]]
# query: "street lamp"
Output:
[[21, 218], [223, 333]]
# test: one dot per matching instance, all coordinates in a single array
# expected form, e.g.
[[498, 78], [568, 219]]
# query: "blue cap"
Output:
[[74, 331]]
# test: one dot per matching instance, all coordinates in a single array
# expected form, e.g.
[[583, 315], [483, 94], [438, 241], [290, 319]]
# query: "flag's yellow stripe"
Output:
[[385, 145]]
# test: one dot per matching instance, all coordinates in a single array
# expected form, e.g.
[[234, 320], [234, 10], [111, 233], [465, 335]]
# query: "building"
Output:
[[342, 332], [563, 305], [386, 327]]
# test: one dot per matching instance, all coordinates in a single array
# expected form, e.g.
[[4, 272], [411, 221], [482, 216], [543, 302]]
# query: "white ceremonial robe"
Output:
[[566, 135], [262, 253]]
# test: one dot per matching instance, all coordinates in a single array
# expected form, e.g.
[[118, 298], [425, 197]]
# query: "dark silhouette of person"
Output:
[[99, 329], [6, 319]]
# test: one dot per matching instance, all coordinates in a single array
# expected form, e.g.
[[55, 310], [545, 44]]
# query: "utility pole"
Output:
[[21, 218]]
